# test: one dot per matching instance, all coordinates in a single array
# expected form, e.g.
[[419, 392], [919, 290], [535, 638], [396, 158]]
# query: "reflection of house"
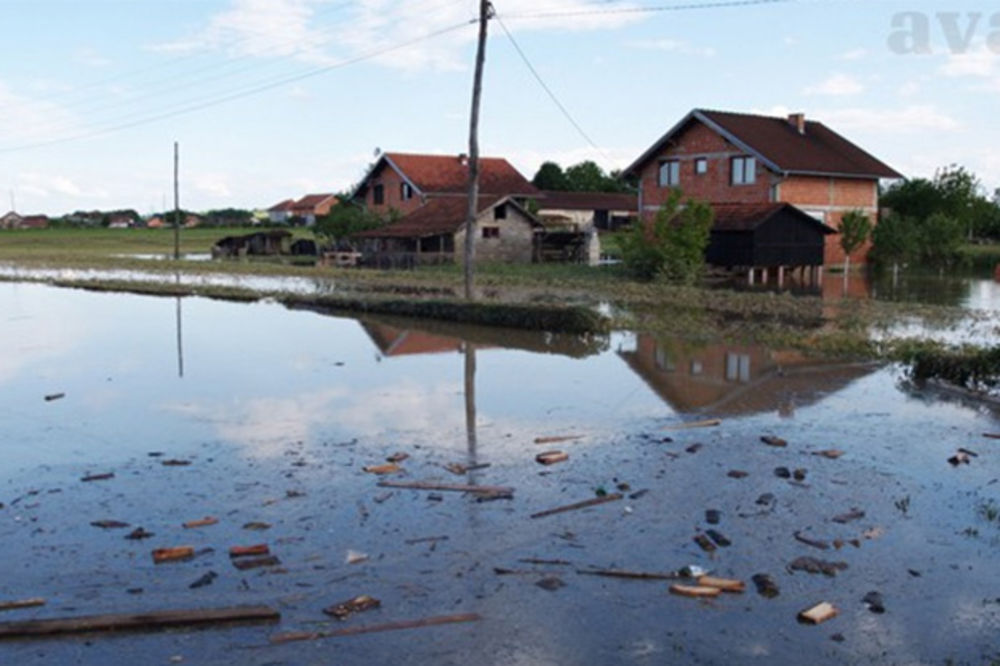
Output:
[[311, 206], [572, 221], [722, 157], [279, 213], [393, 341], [13, 220], [435, 233], [735, 379]]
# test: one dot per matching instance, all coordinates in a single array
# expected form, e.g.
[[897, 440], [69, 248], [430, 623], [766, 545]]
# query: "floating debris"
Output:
[[98, 477], [557, 439], [203, 522], [355, 557], [874, 602], [109, 524], [388, 468], [139, 533], [175, 462], [853, 514], [819, 613], [815, 566], [175, 554], [737, 474], [358, 604], [389, 626], [54, 396], [21, 603], [725, 584], [712, 516], [696, 591], [245, 551], [708, 423], [551, 457], [815, 543], [244, 563], [551, 583], [704, 543], [579, 505], [204, 580], [397, 457], [772, 440], [766, 587], [832, 454], [256, 525], [718, 538]]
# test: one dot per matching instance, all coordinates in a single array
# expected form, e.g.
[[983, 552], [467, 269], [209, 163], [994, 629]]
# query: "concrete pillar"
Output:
[[781, 276], [750, 276], [764, 275], [819, 276]]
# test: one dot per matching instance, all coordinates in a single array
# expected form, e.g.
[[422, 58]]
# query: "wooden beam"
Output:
[[579, 505], [370, 629], [137, 621]]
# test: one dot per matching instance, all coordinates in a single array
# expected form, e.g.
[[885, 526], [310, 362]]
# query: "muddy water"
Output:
[[278, 411]]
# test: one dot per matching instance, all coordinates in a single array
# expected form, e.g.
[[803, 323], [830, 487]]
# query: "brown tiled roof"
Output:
[[819, 150], [442, 215], [283, 206], [553, 200], [312, 200], [35, 221], [749, 216], [448, 174]]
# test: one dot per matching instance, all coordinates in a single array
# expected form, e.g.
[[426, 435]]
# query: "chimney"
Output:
[[798, 121], [463, 159]]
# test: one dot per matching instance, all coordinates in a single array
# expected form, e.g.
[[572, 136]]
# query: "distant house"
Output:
[[13, 220], [280, 213], [403, 182], [120, 221], [435, 233], [155, 222], [312, 206], [724, 158], [572, 221]]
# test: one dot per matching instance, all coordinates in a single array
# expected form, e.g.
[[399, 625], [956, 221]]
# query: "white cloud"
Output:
[[47, 185], [837, 85], [915, 118], [27, 119], [854, 54], [92, 58], [213, 185], [979, 62], [672, 46]]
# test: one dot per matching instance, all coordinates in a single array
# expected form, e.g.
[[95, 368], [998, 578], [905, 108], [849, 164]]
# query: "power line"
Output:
[[548, 91], [719, 4], [245, 93]]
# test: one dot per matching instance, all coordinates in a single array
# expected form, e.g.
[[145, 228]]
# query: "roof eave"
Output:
[[838, 174]]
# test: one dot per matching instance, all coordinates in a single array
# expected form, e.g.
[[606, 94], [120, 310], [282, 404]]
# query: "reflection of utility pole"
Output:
[[177, 207], [470, 401], [180, 339]]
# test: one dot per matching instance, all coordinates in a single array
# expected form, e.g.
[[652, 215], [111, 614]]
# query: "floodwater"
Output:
[[279, 410]]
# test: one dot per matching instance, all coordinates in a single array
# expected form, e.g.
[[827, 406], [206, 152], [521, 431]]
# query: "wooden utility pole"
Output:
[[485, 14], [177, 206]]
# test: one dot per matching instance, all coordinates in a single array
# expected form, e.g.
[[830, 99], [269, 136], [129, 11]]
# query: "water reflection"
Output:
[[734, 379]]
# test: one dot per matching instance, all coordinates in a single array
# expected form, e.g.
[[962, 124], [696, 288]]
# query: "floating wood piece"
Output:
[[725, 584], [244, 563], [389, 626], [21, 603], [633, 575], [990, 435], [247, 551], [704, 543], [397, 457], [832, 454], [109, 524], [719, 538], [455, 487], [138, 533], [709, 423], [54, 396], [772, 440], [814, 566], [853, 514], [388, 468], [98, 477], [176, 554], [697, 591], [256, 525], [503, 571], [358, 604], [613, 497], [355, 557], [204, 580], [137, 621], [815, 543], [737, 474], [819, 613], [551, 457], [204, 522], [174, 462], [766, 587], [538, 560], [558, 438], [430, 539]]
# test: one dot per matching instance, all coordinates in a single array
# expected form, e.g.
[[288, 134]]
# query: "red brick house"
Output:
[[311, 206], [403, 182], [725, 158]]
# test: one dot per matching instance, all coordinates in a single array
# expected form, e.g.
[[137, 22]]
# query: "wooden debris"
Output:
[[819, 613], [244, 563], [176, 554], [832, 454], [430, 539], [709, 423], [990, 435], [174, 462], [456, 487], [557, 439], [853, 514], [704, 543], [98, 477], [204, 522], [503, 571], [815, 543], [814, 566], [459, 468], [613, 497], [697, 591], [633, 575], [388, 468], [256, 525], [54, 396], [21, 603], [873, 533], [358, 604], [551, 457], [137, 621], [725, 584], [766, 587], [354, 557], [109, 524], [397, 457], [772, 440], [204, 580], [248, 551], [538, 560], [389, 626], [737, 474], [551, 583], [138, 533], [719, 538]]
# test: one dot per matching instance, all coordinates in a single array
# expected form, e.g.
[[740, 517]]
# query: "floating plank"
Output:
[[991, 435], [137, 621], [54, 396], [819, 613], [244, 551], [557, 438], [98, 477], [551, 457], [579, 505], [832, 454], [204, 522], [724, 584], [456, 487], [388, 468], [633, 575], [176, 554], [697, 591], [21, 603], [244, 563], [374, 628], [709, 423]]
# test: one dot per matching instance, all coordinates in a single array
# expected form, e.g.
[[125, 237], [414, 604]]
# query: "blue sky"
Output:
[[93, 94]]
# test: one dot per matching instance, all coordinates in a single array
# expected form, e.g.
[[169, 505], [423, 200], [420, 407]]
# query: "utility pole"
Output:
[[485, 14], [177, 206]]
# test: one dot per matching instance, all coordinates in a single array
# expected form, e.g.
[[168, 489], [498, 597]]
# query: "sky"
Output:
[[274, 99]]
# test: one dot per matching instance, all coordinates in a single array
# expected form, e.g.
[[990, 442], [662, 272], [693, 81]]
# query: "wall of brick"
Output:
[[833, 197], [392, 187]]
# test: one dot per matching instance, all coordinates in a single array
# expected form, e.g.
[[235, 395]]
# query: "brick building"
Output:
[[726, 158]]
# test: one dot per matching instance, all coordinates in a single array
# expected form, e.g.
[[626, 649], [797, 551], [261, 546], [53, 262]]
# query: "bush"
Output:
[[673, 246]]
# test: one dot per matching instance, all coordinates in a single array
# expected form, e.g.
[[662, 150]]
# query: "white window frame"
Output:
[[743, 170], [669, 174], [700, 166]]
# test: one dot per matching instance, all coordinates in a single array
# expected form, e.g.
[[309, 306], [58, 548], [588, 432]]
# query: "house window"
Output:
[[670, 173], [662, 359], [744, 170], [491, 232], [737, 367], [500, 212], [378, 195], [701, 166], [405, 191], [696, 367]]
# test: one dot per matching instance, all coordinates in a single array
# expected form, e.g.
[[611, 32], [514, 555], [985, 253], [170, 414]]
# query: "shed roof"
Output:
[[749, 216]]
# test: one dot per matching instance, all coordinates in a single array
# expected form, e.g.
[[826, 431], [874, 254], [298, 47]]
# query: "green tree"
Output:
[[586, 177], [939, 238], [550, 176], [672, 246], [893, 240], [855, 229], [344, 220]]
